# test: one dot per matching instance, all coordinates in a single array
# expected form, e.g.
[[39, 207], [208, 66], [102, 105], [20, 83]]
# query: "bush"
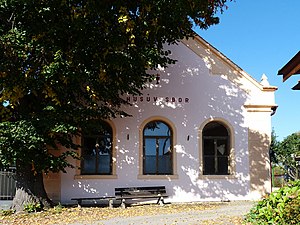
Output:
[[292, 212], [32, 207], [280, 207]]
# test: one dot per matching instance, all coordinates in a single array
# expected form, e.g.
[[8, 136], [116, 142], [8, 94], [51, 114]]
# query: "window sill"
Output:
[[78, 177], [224, 177], [157, 177]]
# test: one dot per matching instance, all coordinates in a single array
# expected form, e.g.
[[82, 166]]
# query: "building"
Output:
[[202, 129], [291, 68]]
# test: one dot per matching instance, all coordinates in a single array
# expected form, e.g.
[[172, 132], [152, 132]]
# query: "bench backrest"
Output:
[[142, 191]]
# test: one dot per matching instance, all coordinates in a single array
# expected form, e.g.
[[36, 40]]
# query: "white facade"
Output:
[[202, 86]]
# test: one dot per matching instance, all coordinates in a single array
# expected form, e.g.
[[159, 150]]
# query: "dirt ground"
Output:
[[175, 214], [220, 213]]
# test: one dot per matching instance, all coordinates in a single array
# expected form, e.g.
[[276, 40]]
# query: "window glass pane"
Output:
[[89, 156], [157, 128], [150, 146], [90, 146], [209, 147], [150, 164], [150, 156], [104, 145], [222, 149], [209, 165], [97, 150], [104, 164], [164, 146], [89, 165], [157, 148], [164, 164], [164, 159], [215, 129], [223, 165]]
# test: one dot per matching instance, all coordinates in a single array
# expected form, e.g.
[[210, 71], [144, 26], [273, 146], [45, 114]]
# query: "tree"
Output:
[[286, 152], [64, 62], [274, 147], [21, 142]]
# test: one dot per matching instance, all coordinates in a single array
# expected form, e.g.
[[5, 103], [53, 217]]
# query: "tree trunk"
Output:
[[30, 189]]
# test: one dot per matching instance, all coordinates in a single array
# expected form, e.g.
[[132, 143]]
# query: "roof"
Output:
[[297, 86], [291, 68]]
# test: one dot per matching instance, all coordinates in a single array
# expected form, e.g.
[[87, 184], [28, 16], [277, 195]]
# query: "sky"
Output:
[[261, 36]]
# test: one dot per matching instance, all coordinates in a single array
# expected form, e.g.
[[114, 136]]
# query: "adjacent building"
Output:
[[291, 68]]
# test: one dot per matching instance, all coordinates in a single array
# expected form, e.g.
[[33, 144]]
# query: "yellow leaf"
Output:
[[123, 19]]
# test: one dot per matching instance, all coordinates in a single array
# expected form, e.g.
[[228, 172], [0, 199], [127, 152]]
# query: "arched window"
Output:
[[216, 149], [157, 149], [96, 150]]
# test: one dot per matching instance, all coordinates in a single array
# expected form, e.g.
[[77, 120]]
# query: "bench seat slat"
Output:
[[93, 198], [109, 198], [140, 196], [134, 191], [138, 193]]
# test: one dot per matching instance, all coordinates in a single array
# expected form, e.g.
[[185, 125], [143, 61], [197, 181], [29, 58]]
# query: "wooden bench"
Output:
[[108, 198], [135, 193]]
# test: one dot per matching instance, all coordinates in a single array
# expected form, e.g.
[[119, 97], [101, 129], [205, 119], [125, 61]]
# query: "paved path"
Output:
[[221, 214], [5, 204]]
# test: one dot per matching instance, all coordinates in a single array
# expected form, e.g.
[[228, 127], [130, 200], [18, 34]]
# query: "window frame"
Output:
[[231, 151], [112, 175], [141, 174], [157, 139]]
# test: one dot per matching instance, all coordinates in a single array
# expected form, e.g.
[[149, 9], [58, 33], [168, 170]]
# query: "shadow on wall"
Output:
[[260, 164], [252, 183], [214, 90]]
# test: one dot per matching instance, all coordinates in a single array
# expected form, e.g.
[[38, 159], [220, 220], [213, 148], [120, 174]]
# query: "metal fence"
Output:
[[7, 183]]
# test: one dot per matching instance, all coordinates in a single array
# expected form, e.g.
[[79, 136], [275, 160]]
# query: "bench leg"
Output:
[[79, 202], [110, 203], [160, 201], [123, 205]]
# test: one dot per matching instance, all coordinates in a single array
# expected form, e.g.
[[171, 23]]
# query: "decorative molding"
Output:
[[261, 108]]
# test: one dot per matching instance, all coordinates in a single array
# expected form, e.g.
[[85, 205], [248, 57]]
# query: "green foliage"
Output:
[[18, 140], [280, 207], [82, 56], [289, 147], [23, 140], [32, 207], [274, 147], [63, 63], [58, 208], [286, 151]]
